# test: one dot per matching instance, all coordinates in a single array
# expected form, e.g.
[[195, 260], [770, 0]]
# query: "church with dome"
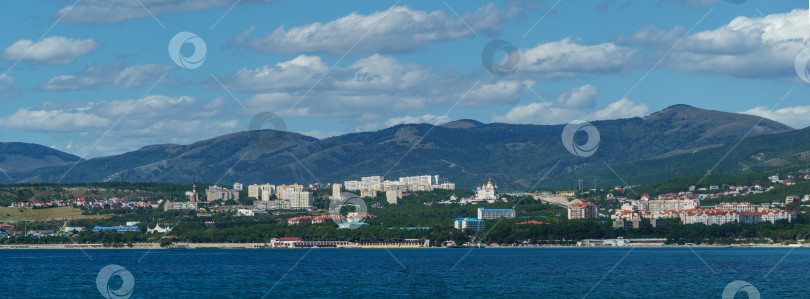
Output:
[[488, 191]]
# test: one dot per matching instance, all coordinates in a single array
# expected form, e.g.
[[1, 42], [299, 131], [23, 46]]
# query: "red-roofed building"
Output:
[[6, 227]]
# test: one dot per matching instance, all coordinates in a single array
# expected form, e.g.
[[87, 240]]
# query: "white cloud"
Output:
[[375, 84], [154, 119], [623, 108], [568, 58], [397, 30], [581, 97], [99, 74], [797, 116], [424, 119], [760, 47], [113, 11], [140, 75], [53, 120], [50, 50], [561, 111]]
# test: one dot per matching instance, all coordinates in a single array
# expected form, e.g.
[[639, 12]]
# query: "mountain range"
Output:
[[678, 141]]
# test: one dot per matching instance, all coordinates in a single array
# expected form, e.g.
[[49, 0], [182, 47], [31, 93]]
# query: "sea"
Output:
[[680, 272]]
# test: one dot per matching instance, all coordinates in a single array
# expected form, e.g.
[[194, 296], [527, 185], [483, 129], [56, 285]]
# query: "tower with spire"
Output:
[[194, 190]]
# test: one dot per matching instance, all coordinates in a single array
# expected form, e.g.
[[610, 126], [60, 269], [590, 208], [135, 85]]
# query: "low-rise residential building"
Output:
[[180, 206], [250, 212], [352, 225], [6, 227], [744, 206], [713, 216]]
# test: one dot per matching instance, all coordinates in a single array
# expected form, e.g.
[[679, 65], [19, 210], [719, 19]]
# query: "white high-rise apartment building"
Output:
[[286, 191], [254, 191], [336, 191], [300, 199]]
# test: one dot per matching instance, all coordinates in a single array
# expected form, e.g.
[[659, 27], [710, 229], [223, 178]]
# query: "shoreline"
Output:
[[267, 246]]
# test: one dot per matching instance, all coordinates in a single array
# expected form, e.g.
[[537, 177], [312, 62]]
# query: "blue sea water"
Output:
[[374, 273]]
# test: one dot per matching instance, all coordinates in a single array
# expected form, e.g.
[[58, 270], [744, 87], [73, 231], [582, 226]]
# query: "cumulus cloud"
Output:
[[154, 119], [760, 47], [424, 119], [568, 58], [397, 30], [375, 84], [581, 97], [623, 108], [118, 74], [50, 50], [113, 11], [797, 116], [560, 111]]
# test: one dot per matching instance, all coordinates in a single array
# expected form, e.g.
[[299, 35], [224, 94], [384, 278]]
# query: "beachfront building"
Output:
[[583, 210], [476, 225], [719, 217], [158, 229], [495, 213], [740, 207], [634, 219], [659, 206]]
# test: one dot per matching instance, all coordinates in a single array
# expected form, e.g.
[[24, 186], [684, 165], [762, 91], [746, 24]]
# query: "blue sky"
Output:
[[95, 77]]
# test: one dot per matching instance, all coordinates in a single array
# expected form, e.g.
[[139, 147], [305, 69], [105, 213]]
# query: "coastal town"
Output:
[[270, 200]]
